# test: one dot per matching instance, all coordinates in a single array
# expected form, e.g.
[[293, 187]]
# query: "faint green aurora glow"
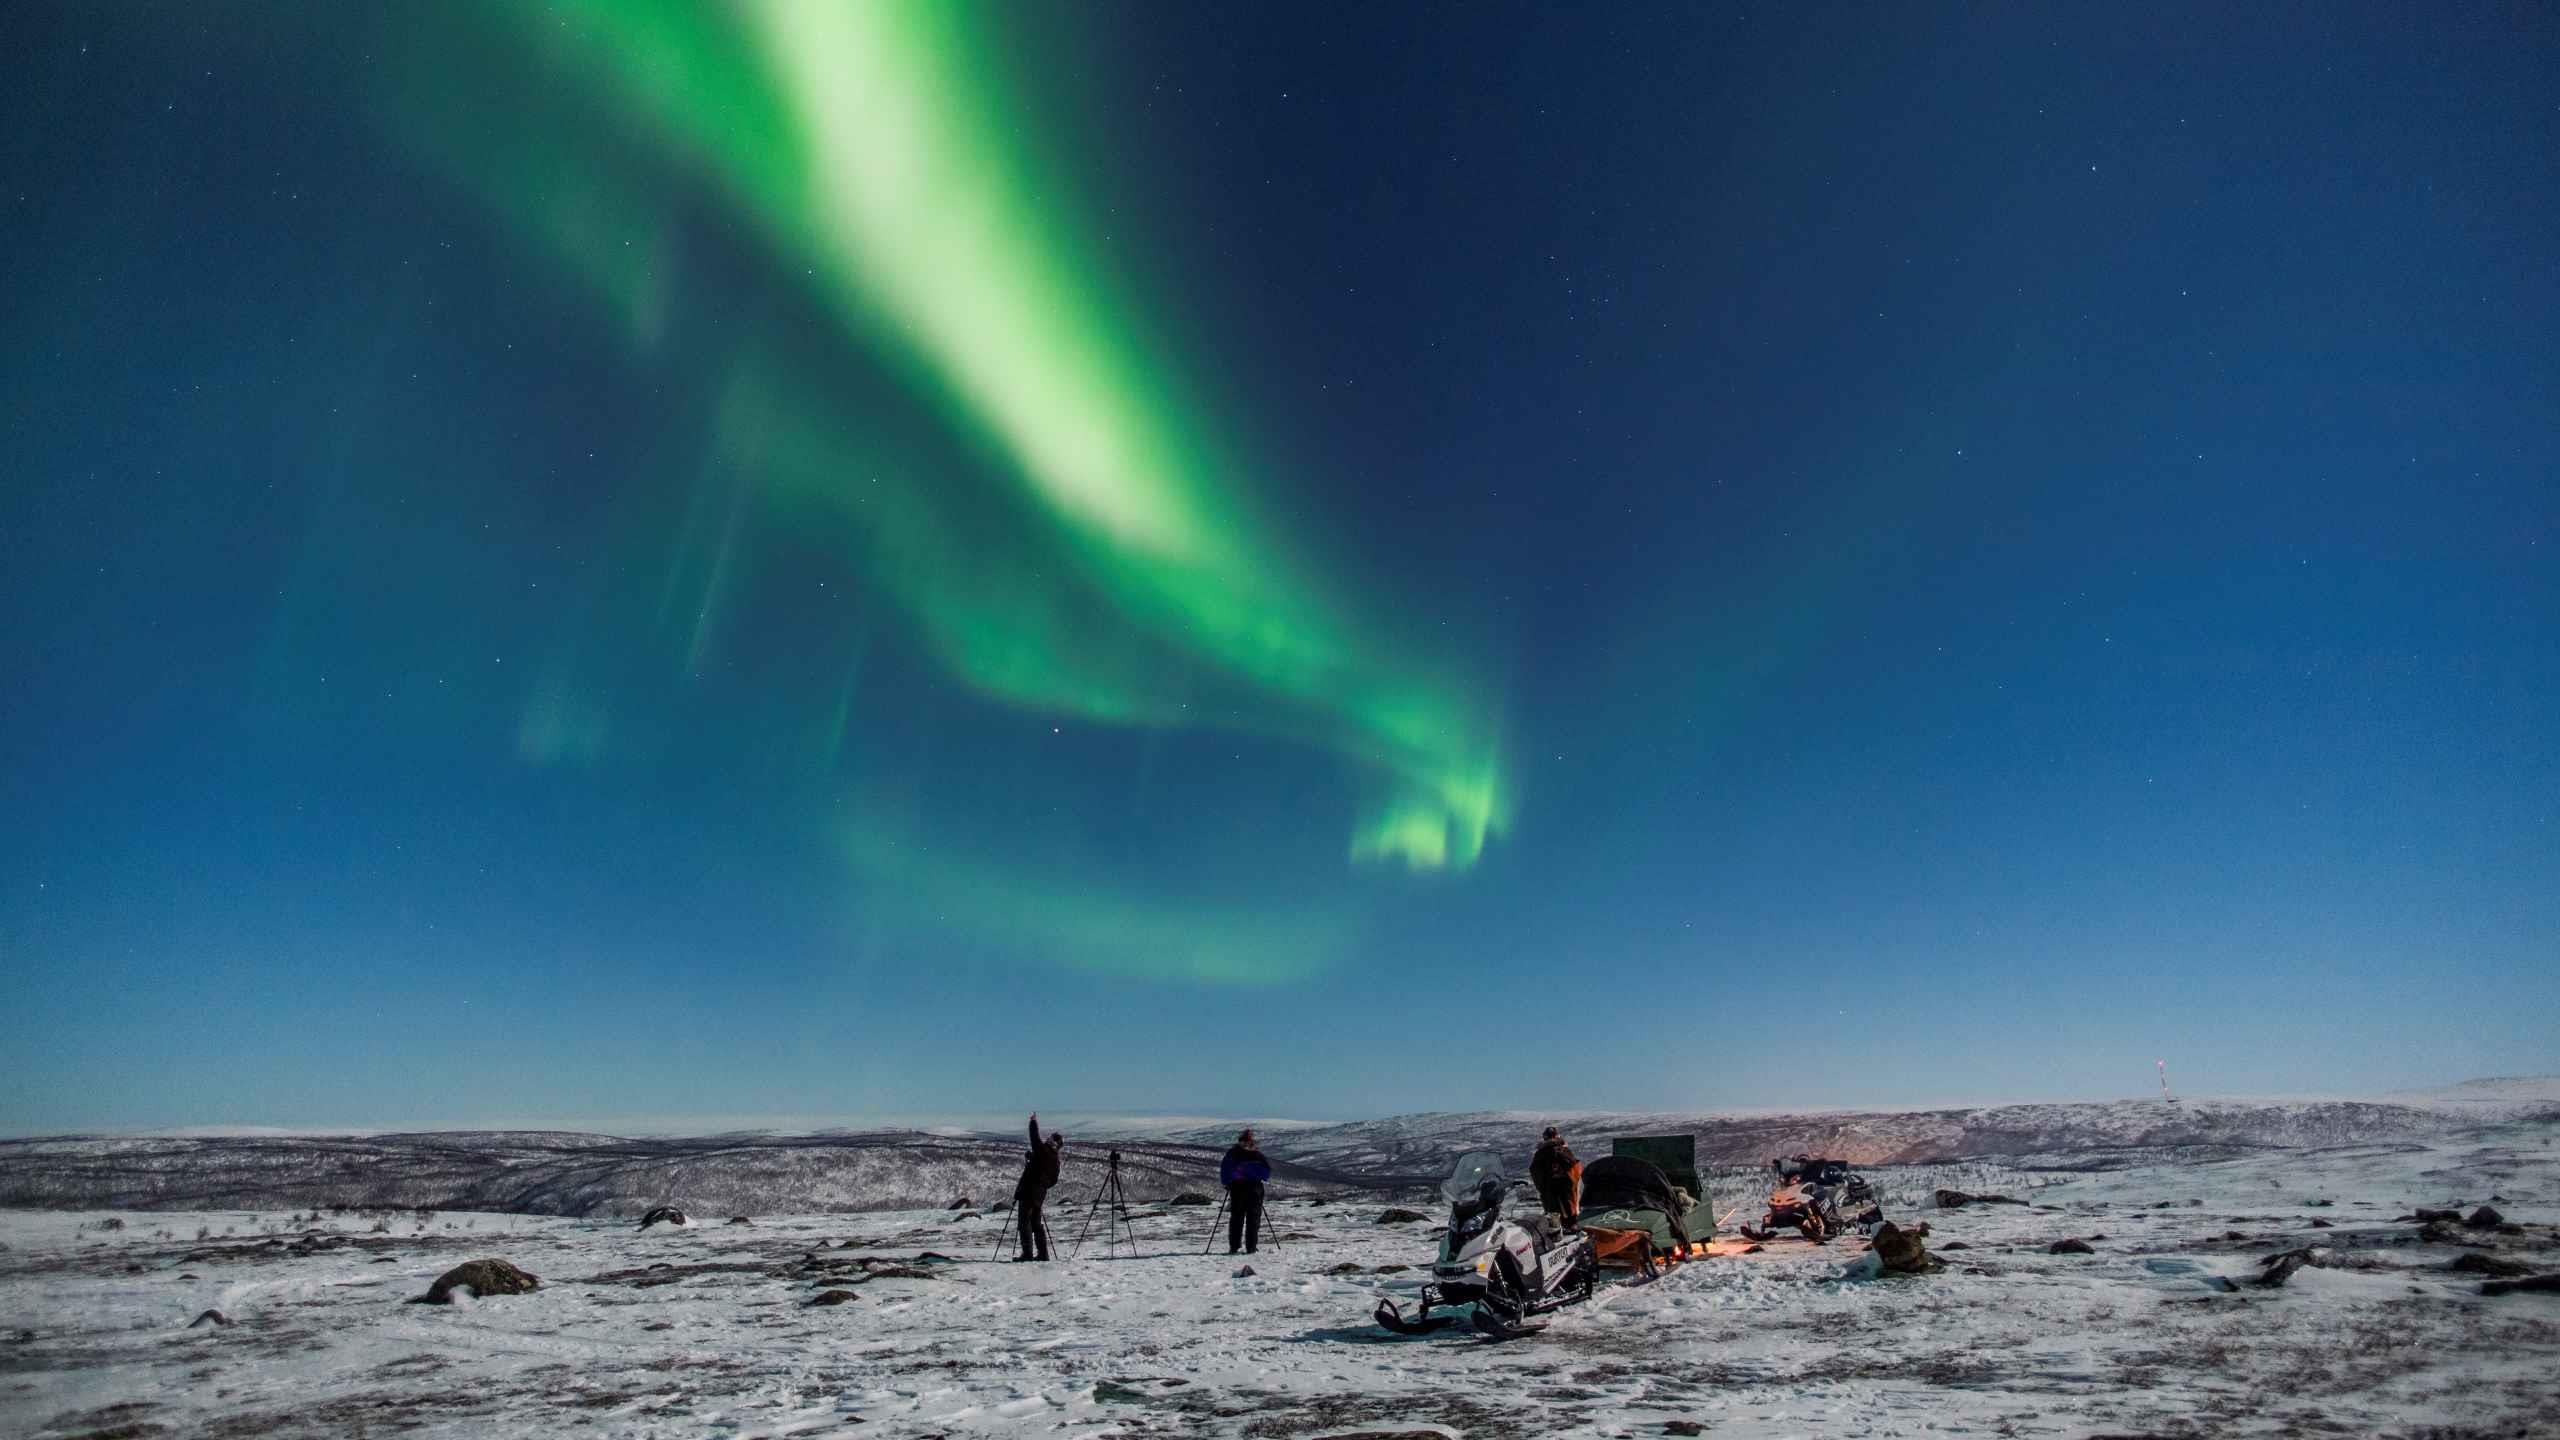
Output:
[[1085, 926], [874, 149]]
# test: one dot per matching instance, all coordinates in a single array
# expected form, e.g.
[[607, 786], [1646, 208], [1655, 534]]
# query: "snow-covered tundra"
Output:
[[899, 1323]]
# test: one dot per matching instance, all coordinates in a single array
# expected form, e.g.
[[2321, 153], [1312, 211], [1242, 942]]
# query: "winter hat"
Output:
[[1551, 1132]]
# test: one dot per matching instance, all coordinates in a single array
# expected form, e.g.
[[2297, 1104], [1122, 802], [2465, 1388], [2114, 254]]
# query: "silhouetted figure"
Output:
[[1243, 1172], [1554, 1170], [1031, 1192]]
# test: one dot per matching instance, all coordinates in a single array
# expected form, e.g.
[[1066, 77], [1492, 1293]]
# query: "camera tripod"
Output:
[[1117, 1228]]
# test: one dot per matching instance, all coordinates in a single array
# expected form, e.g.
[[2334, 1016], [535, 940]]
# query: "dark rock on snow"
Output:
[[963, 1203], [2484, 1218], [2277, 1269], [2070, 1247], [210, 1317], [668, 1213], [1191, 1197], [1900, 1251], [1957, 1200], [1394, 1216], [2474, 1263], [740, 1220], [2531, 1282], [480, 1277], [833, 1297]]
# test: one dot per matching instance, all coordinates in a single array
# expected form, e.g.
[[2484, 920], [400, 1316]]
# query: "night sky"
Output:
[[655, 563]]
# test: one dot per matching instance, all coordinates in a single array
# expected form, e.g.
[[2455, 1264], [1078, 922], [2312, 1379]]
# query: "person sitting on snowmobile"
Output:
[[1243, 1172], [1039, 1172], [1553, 1170]]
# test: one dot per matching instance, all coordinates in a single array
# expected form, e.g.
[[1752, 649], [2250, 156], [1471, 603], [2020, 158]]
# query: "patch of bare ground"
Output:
[[1265, 1416], [668, 1273], [380, 1413], [121, 1421]]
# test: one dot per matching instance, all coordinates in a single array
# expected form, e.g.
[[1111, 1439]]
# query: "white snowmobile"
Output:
[[1509, 1271]]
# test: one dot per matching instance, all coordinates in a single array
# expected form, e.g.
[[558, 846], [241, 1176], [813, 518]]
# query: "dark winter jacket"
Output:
[[1040, 1167], [1244, 1165], [1553, 1164]]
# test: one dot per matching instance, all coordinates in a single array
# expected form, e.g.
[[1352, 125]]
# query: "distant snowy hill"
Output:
[[555, 1173], [2072, 1136]]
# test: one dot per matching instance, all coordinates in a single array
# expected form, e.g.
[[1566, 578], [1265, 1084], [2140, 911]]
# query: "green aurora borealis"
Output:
[[1117, 563]]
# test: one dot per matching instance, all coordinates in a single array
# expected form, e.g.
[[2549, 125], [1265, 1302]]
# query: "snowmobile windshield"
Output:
[[1467, 1178]]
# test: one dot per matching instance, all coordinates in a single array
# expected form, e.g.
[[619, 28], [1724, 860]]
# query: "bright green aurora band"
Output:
[[873, 150]]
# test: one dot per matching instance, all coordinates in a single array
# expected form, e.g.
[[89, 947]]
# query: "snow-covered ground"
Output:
[[711, 1330]]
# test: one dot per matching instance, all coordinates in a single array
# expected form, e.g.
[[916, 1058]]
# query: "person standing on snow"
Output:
[[1039, 1172], [1243, 1172], [1555, 1172]]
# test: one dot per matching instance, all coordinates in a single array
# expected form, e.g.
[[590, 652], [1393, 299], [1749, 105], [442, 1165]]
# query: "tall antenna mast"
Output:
[[2164, 1084]]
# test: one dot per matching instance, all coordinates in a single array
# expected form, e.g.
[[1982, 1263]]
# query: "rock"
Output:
[[1957, 1200], [2474, 1263], [1244, 1272], [2233, 1235], [740, 1220], [2319, 1204], [1393, 1216], [832, 1297], [667, 1213], [2070, 1247], [1683, 1427], [963, 1203], [2318, 1224], [1900, 1251], [2429, 1217], [2098, 1237], [2443, 1232], [2531, 1282], [2277, 1269], [210, 1317], [1955, 1245], [1390, 1269], [934, 1257], [1191, 1197], [481, 1278], [1347, 1267], [2484, 1218], [891, 1270], [1753, 1249]]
